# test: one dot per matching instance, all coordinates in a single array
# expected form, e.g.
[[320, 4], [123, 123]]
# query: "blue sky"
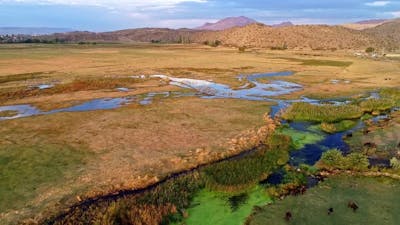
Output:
[[104, 15]]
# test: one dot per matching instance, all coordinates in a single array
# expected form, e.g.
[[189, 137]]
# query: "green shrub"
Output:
[[370, 50], [395, 163], [333, 159], [356, 161]]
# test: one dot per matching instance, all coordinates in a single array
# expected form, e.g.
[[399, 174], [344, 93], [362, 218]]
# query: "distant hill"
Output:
[[282, 36], [387, 33], [156, 35], [283, 24], [227, 23], [365, 24], [31, 30], [292, 37]]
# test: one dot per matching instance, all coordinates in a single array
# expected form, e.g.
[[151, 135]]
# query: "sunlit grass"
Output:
[[321, 113]]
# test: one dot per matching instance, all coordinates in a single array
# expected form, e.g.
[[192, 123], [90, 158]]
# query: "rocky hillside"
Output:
[[300, 37], [388, 34], [227, 23], [157, 35], [255, 35]]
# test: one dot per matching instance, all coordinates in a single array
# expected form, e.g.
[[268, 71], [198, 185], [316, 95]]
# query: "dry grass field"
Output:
[[61, 158]]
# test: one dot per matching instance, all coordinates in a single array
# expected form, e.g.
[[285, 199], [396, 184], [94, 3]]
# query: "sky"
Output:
[[107, 15]]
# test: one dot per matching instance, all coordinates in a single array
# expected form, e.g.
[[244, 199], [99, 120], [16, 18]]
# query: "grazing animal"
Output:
[[330, 211], [352, 205], [288, 216]]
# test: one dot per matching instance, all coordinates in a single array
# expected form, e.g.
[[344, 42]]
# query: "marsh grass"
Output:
[[391, 93], [22, 77], [236, 175], [25, 171], [162, 205], [318, 62], [74, 86], [301, 111], [8, 113], [378, 200], [377, 105], [337, 127]]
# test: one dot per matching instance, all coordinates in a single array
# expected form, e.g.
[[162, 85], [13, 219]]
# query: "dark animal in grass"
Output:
[[352, 205], [330, 211], [288, 216]]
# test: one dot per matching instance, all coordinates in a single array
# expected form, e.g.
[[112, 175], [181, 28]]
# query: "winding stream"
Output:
[[253, 90]]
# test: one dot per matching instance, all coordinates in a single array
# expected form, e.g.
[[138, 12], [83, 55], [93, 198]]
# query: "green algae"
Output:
[[216, 208], [302, 138]]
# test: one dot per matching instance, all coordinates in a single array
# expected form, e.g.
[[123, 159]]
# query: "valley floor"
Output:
[[48, 162]]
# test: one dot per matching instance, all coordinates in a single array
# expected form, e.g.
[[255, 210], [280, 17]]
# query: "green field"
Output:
[[378, 200]]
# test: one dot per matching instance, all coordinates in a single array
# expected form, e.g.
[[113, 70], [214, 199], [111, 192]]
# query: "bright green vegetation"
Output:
[[26, 171], [391, 93], [378, 200], [301, 111], [236, 175], [337, 127], [333, 159], [220, 209], [8, 113], [302, 138], [376, 105]]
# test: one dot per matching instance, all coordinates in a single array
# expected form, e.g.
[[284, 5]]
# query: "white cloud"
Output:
[[395, 14], [377, 3], [112, 4]]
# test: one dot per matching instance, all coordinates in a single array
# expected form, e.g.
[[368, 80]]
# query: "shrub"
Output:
[[356, 161], [242, 49], [395, 163], [333, 159], [370, 50]]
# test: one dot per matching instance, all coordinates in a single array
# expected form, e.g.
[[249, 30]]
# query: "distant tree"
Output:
[[242, 48], [370, 50]]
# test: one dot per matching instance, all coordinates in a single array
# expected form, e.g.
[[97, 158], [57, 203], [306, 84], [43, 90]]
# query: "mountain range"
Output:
[[32, 30], [242, 31]]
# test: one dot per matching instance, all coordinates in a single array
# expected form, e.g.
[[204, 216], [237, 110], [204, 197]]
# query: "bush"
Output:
[[395, 163], [356, 161], [370, 50], [333, 159], [242, 49]]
